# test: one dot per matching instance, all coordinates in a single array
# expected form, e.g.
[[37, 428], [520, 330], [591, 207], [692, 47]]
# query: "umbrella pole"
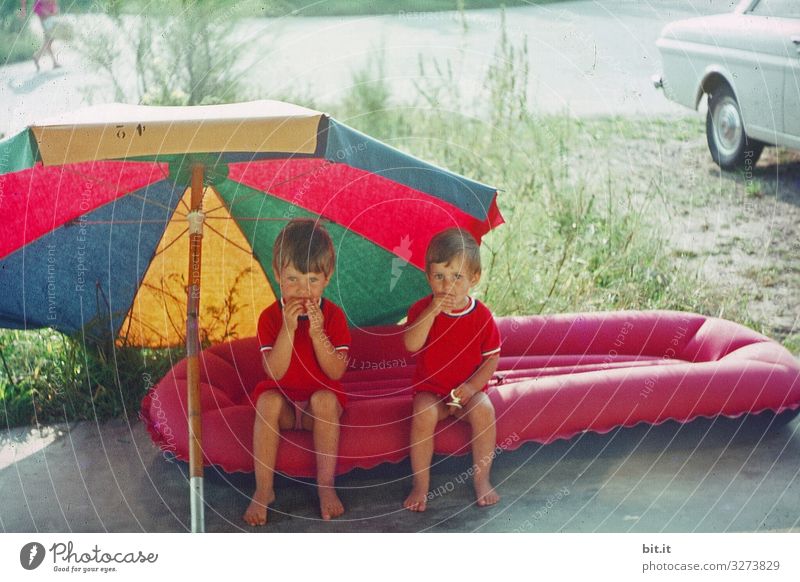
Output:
[[195, 217]]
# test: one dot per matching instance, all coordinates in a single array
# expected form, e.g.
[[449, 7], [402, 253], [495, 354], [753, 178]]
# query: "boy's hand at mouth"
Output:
[[315, 318], [293, 309], [443, 302]]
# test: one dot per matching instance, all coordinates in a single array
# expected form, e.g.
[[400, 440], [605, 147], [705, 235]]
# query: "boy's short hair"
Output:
[[448, 244], [305, 244]]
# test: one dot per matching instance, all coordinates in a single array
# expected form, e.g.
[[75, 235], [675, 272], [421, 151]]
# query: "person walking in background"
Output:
[[45, 10]]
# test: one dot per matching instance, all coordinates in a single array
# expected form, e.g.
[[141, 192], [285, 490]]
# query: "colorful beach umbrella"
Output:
[[94, 207], [99, 206]]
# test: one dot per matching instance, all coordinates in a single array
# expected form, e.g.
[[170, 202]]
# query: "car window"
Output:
[[779, 8]]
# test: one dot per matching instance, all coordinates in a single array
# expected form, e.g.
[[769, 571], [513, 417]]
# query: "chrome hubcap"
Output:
[[728, 125]]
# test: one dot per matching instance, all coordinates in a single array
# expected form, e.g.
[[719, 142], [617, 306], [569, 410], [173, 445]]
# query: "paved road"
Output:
[[584, 58], [706, 476]]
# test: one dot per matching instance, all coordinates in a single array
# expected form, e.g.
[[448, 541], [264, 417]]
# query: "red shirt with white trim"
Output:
[[457, 344], [304, 375]]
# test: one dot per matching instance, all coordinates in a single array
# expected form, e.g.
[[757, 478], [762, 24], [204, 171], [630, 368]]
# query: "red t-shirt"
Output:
[[456, 346], [304, 375]]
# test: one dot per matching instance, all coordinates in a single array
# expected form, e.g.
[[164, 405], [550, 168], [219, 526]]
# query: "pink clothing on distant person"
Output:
[[45, 8]]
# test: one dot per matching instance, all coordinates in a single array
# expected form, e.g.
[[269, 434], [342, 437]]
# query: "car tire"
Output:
[[728, 143]]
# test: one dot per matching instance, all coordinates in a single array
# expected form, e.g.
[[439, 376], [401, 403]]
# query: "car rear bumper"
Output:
[[658, 81]]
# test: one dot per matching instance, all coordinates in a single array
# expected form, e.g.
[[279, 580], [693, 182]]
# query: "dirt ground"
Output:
[[739, 231]]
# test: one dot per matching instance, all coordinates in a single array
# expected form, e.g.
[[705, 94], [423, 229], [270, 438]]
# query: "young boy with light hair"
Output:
[[304, 343], [458, 346]]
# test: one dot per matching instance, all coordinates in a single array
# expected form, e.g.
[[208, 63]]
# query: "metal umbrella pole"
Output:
[[195, 217]]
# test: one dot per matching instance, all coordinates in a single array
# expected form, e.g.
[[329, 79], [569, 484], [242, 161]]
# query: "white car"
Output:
[[748, 63]]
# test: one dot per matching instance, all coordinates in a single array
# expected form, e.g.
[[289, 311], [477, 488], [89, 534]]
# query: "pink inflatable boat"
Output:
[[558, 376]]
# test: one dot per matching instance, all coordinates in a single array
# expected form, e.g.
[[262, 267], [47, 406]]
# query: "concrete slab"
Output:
[[707, 476]]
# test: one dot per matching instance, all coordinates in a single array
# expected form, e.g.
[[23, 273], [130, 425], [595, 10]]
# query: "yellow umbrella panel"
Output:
[[235, 288]]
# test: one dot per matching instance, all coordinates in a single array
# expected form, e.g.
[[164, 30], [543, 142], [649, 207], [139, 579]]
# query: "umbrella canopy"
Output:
[[94, 231]]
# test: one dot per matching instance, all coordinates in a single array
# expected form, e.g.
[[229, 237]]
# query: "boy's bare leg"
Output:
[[479, 412], [325, 410], [428, 410], [273, 413]]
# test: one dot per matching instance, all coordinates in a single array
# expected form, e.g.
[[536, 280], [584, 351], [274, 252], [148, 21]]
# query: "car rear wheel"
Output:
[[728, 143]]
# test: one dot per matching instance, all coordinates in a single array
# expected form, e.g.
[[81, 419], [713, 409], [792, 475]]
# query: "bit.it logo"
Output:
[[31, 556]]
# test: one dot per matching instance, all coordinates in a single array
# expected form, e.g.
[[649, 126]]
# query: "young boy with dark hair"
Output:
[[304, 343], [458, 347]]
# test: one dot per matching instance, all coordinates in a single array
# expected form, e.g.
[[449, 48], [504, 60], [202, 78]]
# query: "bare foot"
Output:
[[256, 513], [417, 500], [36, 62], [486, 494], [330, 506]]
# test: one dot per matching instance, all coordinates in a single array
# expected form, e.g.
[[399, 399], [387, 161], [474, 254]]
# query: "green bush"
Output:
[[17, 44], [49, 377], [177, 54]]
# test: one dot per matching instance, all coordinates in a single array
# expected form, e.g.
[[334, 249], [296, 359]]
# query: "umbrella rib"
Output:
[[163, 173], [185, 206], [207, 212], [176, 239], [150, 328], [180, 201], [90, 222], [97, 180], [175, 327], [249, 219], [164, 293], [148, 201], [226, 239], [248, 197], [256, 191]]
